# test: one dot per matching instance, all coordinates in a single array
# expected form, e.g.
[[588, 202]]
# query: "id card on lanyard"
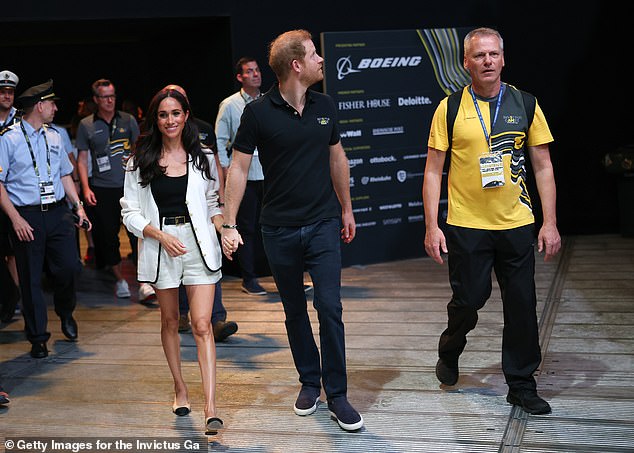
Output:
[[47, 190], [103, 159], [491, 163]]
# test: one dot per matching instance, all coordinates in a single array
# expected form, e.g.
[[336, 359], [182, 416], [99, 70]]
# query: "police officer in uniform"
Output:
[[35, 191], [9, 295], [8, 113]]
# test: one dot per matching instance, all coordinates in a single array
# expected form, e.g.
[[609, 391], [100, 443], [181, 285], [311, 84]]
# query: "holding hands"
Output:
[[230, 240]]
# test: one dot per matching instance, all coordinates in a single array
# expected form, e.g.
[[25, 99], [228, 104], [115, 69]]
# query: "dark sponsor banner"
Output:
[[386, 86]]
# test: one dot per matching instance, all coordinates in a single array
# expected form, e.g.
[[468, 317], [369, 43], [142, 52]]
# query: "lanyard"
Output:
[[487, 136], [113, 127], [48, 153]]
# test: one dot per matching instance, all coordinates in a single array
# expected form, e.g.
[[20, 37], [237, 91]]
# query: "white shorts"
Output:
[[189, 268]]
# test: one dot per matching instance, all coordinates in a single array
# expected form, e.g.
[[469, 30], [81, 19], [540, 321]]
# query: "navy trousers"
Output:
[[55, 242], [316, 248]]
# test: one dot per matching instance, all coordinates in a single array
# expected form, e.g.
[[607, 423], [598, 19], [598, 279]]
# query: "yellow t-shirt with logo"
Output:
[[471, 205]]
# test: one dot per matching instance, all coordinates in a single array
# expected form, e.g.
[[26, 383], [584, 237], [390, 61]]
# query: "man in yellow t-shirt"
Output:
[[490, 222]]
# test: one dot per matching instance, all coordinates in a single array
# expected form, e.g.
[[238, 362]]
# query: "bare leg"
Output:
[[168, 303], [200, 305]]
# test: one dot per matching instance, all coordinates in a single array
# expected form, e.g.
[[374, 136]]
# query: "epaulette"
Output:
[[50, 127], [8, 128]]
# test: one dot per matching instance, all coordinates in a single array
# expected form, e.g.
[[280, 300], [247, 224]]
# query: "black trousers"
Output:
[[106, 224], [54, 241], [249, 227], [8, 291], [473, 254]]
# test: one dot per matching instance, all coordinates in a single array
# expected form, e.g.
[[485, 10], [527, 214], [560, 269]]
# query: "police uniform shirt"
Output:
[[19, 177], [66, 141], [11, 119]]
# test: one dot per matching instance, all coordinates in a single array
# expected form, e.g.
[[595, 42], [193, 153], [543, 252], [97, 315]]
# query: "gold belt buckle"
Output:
[[180, 220]]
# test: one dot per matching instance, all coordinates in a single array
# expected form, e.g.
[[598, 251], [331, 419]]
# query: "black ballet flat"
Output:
[[181, 411], [212, 425]]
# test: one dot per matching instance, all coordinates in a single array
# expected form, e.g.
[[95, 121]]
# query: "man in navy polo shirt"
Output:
[[306, 199]]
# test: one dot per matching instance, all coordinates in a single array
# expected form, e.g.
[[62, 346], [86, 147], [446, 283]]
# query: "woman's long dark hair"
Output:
[[149, 145]]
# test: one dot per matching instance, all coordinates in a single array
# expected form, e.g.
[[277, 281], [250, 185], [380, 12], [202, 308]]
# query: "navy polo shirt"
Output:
[[295, 156]]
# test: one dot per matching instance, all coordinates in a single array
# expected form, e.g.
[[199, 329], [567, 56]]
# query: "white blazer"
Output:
[[139, 209]]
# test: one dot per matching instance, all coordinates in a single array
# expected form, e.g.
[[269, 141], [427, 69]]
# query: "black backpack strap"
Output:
[[453, 104], [529, 106]]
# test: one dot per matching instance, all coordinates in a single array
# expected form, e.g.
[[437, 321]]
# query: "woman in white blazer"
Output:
[[170, 203]]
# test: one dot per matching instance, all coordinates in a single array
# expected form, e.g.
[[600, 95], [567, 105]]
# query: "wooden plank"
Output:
[[114, 381]]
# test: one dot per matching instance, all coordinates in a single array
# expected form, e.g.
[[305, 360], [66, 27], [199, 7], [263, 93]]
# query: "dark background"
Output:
[[571, 57]]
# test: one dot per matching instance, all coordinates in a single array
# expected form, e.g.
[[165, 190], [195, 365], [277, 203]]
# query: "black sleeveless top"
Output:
[[169, 194]]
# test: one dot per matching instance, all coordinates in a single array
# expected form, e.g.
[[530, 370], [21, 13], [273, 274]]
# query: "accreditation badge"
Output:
[[47, 192], [103, 163], [491, 170]]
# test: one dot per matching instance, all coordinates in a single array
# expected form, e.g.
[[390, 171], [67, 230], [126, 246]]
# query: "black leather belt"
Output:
[[42, 207], [176, 220]]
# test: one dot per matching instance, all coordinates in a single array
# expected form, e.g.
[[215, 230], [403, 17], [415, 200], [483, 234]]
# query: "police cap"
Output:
[[8, 79], [33, 95]]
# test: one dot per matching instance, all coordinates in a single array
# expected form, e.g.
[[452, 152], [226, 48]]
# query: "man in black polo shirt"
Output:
[[306, 199]]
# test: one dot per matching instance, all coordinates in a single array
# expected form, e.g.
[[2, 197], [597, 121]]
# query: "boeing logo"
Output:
[[345, 67]]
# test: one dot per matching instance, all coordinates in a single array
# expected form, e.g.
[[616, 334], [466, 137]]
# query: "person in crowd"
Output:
[[170, 203], [222, 329], [35, 191], [67, 145], [130, 106], [247, 73], [9, 115], [4, 397], [85, 106], [490, 224], [108, 135], [306, 200], [10, 294]]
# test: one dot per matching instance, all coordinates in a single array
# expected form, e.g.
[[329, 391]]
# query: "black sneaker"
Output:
[[447, 374], [347, 417], [253, 288], [529, 400], [307, 400], [223, 330]]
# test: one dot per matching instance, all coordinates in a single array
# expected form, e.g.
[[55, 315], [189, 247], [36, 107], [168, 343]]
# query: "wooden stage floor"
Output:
[[114, 385]]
